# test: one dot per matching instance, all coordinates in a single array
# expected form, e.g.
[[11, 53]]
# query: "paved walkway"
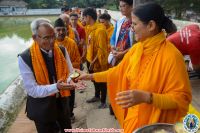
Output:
[[23, 125], [196, 93], [87, 115]]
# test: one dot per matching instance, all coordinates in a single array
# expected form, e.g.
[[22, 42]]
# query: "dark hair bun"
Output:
[[152, 11], [168, 25]]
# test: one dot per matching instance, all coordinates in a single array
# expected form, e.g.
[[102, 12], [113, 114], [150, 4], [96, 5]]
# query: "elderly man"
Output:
[[70, 31], [45, 68], [72, 48]]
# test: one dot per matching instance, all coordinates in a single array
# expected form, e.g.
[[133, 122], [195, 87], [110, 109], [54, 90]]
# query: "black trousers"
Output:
[[100, 88], [63, 119], [71, 102], [100, 91]]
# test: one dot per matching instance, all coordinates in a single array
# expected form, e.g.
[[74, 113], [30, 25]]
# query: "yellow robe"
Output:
[[156, 66], [96, 39], [71, 33], [72, 50], [109, 33], [80, 24]]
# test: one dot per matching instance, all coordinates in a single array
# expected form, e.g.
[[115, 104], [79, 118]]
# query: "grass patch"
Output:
[[19, 25]]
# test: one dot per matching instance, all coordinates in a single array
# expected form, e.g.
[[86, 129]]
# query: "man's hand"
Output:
[[118, 54], [91, 66], [80, 85], [83, 59], [61, 85], [92, 63]]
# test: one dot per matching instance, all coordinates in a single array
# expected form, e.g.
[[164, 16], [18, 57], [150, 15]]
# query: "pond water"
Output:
[[15, 36]]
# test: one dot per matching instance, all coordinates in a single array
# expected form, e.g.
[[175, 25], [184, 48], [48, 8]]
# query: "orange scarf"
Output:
[[148, 46], [40, 70]]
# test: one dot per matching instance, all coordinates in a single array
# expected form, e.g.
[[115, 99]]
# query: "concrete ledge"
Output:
[[10, 103]]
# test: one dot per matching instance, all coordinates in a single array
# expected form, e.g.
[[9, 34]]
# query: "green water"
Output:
[[15, 36]]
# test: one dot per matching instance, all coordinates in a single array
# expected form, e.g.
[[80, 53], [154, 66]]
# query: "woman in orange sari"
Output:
[[150, 85]]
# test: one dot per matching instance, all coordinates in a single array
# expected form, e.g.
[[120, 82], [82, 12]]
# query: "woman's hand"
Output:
[[84, 76], [130, 98]]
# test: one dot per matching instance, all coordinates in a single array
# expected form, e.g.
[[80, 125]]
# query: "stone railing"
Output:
[[10, 103]]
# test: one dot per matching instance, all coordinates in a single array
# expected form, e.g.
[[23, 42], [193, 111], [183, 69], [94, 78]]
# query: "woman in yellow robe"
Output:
[[150, 85]]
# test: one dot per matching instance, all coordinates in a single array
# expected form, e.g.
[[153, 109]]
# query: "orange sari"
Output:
[[156, 66]]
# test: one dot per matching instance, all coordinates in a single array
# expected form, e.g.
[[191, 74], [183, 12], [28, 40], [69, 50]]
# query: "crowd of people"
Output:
[[138, 61]]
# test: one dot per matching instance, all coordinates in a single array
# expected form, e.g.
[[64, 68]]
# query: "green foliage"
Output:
[[70, 3], [179, 7], [43, 3], [112, 5]]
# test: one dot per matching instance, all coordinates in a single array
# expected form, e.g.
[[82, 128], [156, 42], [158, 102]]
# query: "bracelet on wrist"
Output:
[[150, 99]]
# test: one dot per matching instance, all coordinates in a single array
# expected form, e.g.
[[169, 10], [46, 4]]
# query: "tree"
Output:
[[179, 7], [43, 3]]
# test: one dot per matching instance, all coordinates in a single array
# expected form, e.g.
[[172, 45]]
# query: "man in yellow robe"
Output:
[[97, 52], [72, 49], [68, 43], [70, 32], [105, 19]]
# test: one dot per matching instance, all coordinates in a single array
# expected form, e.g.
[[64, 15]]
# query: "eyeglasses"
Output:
[[47, 38]]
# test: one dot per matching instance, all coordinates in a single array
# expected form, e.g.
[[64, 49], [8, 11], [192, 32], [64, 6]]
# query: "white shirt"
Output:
[[30, 84]]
